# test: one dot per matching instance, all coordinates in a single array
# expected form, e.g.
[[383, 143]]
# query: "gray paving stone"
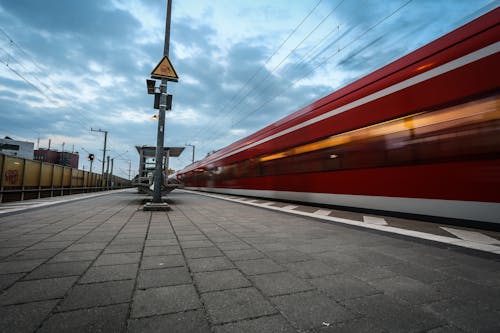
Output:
[[220, 280], [468, 316], [446, 329], [335, 257], [110, 273], [202, 252], [50, 245], [86, 246], [34, 254], [418, 272], [342, 287], [164, 300], [7, 251], [58, 270], [97, 294], [6, 280], [470, 292], [409, 290], [24, 317], [36, 290], [393, 315], [123, 248], [259, 266], [196, 243], [185, 322], [273, 324], [163, 277], [272, 246], [246, 254], [75, 256], [183, 238], [127, 241], [161, 242], [118, 259], [9, 267], [362, 325], [311, 269], [236, 304], [161, 250], [209, 264], [287, 256], [109, 319], [160, 262], [482, 276], [370, 273], [280, 283], [228, 246], [310, 309]]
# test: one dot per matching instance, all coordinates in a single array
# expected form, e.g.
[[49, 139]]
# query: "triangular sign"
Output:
[[165, 70]]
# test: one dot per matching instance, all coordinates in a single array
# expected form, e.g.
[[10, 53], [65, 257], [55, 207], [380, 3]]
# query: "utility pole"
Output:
[[158, 174], [107, 172], [103, 151], [188, 145], [111, 178]]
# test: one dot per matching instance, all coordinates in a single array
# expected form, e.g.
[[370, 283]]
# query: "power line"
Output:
[[328, 58], [246, 84], [321, 63]]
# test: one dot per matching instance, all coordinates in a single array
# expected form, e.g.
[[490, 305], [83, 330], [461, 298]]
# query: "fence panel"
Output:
[[32, 173], [12, 174], [58, 176], [46, 178]]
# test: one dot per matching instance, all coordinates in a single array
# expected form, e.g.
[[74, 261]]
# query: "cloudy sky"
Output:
[[67, 66]]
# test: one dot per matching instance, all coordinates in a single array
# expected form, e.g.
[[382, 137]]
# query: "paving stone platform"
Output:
[[208, 265]]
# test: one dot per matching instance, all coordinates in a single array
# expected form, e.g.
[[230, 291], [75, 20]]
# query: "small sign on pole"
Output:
[[165, 70]]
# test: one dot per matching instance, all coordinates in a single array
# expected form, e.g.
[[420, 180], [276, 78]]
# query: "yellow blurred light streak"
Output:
[[483, 110]]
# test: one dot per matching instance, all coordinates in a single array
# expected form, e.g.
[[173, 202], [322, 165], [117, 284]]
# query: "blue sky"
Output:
[[67, 66]]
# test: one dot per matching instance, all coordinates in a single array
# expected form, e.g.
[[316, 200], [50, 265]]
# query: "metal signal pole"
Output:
[[103, 152], [158, 175]]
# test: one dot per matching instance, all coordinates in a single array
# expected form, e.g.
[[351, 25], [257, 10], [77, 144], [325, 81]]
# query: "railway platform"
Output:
[[227, 264]]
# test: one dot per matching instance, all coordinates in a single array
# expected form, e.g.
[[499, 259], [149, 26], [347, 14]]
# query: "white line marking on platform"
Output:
[[57, 200], [374, 220], [386, 228], [472, 236], [323, 212]]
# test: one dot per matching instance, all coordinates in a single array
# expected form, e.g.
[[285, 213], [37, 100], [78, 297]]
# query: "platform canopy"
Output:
[[150, 151]]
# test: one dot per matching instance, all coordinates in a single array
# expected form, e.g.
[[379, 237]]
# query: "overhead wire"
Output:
[[250, 79], [328, 58], [83, 118], [321, 63]]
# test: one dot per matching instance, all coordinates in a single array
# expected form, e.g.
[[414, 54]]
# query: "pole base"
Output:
[[153, 206]]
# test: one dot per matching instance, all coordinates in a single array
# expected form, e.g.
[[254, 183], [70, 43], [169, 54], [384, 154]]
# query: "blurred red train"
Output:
[[419, 136]]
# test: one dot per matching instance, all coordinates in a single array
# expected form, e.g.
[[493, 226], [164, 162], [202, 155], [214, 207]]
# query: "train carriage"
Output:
[[419, 136]]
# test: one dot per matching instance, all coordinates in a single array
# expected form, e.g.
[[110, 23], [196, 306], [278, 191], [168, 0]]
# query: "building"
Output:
[[56, 157], [21, 149]]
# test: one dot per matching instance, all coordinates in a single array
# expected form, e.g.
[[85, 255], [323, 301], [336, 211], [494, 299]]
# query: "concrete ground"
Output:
[[209, 265]]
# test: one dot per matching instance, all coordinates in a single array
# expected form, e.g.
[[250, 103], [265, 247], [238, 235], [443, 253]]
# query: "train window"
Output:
[[459, 132]]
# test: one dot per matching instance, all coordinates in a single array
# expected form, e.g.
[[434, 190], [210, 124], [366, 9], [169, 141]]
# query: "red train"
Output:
[[420, 136]]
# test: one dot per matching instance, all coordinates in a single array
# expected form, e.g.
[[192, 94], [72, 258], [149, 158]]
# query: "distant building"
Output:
[[57, 157], [21, 149], [47, 155]]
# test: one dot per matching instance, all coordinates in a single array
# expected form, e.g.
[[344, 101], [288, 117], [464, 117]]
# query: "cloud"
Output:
[[90, 60]]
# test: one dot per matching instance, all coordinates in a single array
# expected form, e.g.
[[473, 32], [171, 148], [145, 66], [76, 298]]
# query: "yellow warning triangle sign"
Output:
[[165, 70]]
